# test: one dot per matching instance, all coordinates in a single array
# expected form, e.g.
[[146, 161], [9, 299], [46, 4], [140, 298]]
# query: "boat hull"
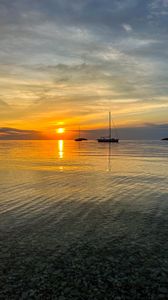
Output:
[[80, 139], [108, 140]]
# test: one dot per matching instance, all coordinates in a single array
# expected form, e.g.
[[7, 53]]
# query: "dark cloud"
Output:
[[7, 133], [148, 131]]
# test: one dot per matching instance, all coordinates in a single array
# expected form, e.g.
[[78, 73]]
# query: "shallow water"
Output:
[[84, 220]]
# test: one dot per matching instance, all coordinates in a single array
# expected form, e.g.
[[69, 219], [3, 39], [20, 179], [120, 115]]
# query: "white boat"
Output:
[[108, 139]]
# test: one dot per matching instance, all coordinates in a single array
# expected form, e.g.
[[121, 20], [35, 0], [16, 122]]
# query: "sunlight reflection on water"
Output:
[[63, 196], [127, 157]]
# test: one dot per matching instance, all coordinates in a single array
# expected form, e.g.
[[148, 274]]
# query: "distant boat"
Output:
[[165, 139], [108, 139], [79, 138]]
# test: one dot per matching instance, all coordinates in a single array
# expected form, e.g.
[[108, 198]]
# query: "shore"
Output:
[[127, 261]]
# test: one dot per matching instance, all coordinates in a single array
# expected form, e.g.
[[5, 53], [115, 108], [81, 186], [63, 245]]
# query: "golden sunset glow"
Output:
[[61, 148], [60, 130], [89, 74]]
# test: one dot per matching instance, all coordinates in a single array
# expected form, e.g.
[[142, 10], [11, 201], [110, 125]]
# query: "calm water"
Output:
[[84, 220]]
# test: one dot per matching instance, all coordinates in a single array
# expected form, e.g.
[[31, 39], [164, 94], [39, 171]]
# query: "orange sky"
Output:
[[61, 67]]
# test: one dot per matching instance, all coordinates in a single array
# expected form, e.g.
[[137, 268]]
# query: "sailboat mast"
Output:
[[109, 124]]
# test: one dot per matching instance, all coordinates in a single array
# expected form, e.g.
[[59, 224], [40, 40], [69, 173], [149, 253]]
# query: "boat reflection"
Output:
[[109, 157]]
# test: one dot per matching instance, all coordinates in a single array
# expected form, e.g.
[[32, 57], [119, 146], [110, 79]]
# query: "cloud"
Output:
[[147, 131], [7, 133], [74, 57], [159, 7], [127, 27], [3, 104]]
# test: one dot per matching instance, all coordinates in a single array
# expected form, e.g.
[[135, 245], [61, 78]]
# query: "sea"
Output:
[[84, 220]]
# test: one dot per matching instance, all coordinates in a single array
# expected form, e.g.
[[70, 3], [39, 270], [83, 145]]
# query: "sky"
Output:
[[65, 63]]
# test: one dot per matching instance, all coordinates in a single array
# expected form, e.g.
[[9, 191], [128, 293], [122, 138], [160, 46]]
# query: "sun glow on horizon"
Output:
[[60, 130]]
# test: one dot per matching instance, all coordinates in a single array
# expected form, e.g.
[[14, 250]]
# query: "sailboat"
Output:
[[108, 139], [79, 138]]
